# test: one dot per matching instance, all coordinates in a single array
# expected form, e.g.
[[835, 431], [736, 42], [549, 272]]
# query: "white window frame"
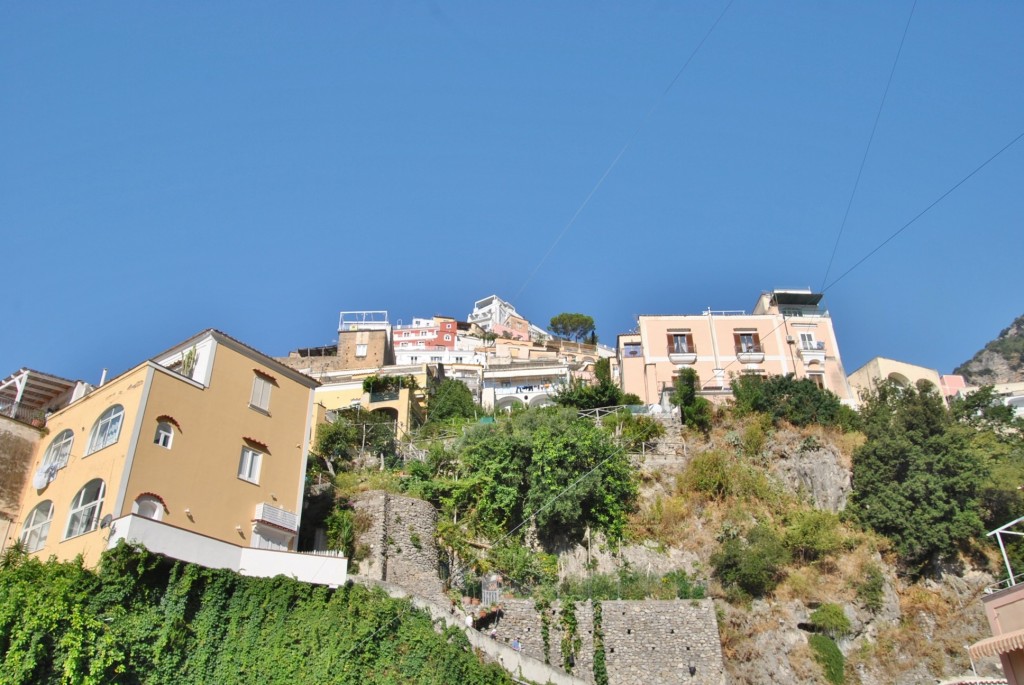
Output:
[[148, 506], [260, 398], [818, 378], [249, 465], [807, 341], [85, 515], [37, 526], [107, 429], [59, 450], [361, 349], [448, 338], [164, 435]]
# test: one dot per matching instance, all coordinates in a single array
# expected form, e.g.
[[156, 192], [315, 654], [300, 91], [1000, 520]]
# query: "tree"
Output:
[[569, 325], [694, 412], [451, 399], [798, 401], [352, 431], [916, 479]]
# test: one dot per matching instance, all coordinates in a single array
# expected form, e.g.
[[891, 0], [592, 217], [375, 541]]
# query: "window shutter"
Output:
[[671, 343], [736, 340], [757, 340], [689, 344]]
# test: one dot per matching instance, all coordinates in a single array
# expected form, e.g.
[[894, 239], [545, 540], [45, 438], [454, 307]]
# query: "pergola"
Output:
[[28, 394]]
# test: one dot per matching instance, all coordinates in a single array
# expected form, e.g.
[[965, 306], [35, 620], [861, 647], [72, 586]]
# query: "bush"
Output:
[[754, 566], [828, 656], [831, 620], [799, 401], [813, 534], [718, 474], [871, 590], [451, 399]]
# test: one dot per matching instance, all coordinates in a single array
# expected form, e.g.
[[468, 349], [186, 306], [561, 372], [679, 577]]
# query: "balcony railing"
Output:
[[750, 354], [813, 350], [268, 513], [386, 396], [547, 388], [21, 413]]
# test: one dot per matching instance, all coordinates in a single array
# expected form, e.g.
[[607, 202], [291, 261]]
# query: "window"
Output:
[[448, 338], [85, 509], [361, 350], [107, 429], [37, 526], [747, 341], [818, 379], [149, 506], [249, 465], [635, 350], [164, 435], [679, 343], [260, 393], [59, 450], [807, 341]]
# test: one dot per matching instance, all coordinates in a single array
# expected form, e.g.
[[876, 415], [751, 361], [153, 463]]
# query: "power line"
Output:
[[867, 148], [926, 210], [629, 143]]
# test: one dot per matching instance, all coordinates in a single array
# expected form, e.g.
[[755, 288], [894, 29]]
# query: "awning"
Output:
[[1000, 644]]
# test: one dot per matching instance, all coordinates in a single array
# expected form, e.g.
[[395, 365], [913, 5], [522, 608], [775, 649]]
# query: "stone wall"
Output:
[[401, 539], [17, 447], [645, 642]]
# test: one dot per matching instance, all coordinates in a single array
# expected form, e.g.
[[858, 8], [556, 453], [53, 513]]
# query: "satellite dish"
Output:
[[40, 479], [105, 521]]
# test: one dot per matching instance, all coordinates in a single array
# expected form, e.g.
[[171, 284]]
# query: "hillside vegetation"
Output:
[[144, 619], [749, 505]]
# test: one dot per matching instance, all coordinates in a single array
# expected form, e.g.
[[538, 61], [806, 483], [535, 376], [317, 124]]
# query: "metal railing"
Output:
[[18, 412], [750, 349], [386, 396]]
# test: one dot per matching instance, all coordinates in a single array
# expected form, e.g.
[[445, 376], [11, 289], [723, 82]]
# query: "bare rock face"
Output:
[[1000, 361], [813, 469]]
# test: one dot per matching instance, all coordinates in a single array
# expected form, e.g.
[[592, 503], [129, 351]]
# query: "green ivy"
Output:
[[600, 667], [142, 618]]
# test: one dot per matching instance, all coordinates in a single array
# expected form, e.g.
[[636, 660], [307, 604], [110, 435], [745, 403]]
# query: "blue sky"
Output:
[[258, 167]]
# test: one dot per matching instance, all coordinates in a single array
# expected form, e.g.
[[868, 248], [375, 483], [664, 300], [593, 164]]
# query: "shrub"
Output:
[[871, 590], [813, 534], [831, 620], [755, 565], [828, 656], [718, 474], [798, 401], [694, 412]]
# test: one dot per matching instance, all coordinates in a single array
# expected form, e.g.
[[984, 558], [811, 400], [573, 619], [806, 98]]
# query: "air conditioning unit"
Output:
[[790, 339]]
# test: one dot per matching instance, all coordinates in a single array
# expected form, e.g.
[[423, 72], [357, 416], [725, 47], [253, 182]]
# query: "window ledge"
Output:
[[260, 410]]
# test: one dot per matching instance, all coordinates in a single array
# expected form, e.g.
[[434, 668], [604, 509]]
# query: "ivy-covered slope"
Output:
[[144, 619]]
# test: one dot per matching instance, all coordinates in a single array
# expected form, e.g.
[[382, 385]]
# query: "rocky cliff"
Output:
[[1000, 361]]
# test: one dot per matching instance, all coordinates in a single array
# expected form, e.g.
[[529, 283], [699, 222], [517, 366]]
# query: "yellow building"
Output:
[[199, 453]]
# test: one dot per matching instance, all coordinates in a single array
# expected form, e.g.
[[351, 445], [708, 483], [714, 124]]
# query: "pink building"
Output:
[[786, 333]]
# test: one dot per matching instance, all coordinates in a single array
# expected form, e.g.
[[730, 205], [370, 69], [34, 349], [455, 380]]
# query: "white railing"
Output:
[[525, 390], [268, 513]]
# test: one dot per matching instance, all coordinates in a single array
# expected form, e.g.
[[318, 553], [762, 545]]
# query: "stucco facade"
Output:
[[786, 333], [211, 437]]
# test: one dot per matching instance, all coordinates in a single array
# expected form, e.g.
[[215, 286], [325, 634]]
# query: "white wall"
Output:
[[205, 551]]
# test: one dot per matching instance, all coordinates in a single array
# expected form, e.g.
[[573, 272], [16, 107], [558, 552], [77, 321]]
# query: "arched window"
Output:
[[37, 526], [149, 506], [107, 429], [85, 509], [164, 434], [59, 450]]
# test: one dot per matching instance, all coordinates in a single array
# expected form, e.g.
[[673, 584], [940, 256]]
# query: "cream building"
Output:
[[786, 333], [199, 453]]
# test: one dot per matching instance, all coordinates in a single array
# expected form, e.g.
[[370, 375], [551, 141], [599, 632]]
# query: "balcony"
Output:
[[682, 357], [386, 396], [313, 567], [750, 353], [812, 351], [278, 518]]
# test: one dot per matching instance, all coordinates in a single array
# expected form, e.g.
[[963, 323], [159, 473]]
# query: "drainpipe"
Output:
[[714, 345]]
